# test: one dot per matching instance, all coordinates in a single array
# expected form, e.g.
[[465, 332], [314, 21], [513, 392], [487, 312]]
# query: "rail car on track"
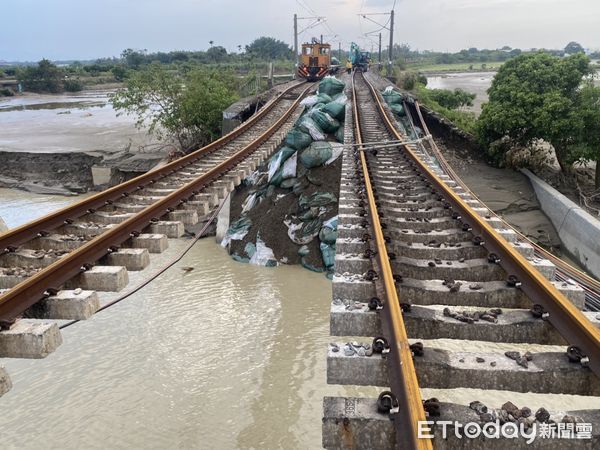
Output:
[[316, 61]]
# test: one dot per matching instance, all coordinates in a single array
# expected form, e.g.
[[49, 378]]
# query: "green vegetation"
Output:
[[270, 49], [455, 99], [541, 96], [462, 119], [587, 126], [185, 106], [47, 77]]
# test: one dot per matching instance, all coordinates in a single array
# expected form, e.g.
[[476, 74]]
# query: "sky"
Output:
[[88, 29]]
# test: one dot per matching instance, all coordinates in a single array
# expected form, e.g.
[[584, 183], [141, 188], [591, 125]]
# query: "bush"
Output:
[[466, 121], [189, 104], [72, 85], [452, 99], [6, 92]]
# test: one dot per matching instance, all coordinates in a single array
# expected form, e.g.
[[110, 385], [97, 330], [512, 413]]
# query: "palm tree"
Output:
[[211, 43]]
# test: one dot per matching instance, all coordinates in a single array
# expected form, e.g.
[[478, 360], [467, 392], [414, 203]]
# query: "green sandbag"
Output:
[[297, 139], [316, 199], [331, 86], [339, 135], [284, 153], [316, 155], [276, 180], [398, 109], [328, 254], [317, 106], [250, 249], [335, 110], [289, 183], [240, 259], [309, 214], [324, 98], [312, 227], [325, 122], [393, 97], [327, 235]]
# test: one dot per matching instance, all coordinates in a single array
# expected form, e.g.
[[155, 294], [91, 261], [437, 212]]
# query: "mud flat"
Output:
[[66, 144]]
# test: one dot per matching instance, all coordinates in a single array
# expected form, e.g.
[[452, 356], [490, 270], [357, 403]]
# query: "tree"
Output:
[[574, 47], [586, 120], [217, 54], [269, 48], [186, 107], [45, 77], [133, 58], [532, 97], [452, 99], [119, 72]]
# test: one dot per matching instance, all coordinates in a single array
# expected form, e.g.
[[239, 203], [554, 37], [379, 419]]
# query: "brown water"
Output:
[[228, 355], [85, 121]]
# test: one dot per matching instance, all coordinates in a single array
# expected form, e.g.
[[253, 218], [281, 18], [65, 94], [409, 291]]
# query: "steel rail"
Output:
[[404, 383], [574, 271], [19, 235], [572, 325], [25, 294]]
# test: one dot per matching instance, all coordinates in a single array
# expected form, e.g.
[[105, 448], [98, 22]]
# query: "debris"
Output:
[[263, 256]]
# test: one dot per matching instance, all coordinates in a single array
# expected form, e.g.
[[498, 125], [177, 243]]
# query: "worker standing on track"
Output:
[[348, 66]]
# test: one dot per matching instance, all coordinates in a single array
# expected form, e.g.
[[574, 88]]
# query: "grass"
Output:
[[456, 67]]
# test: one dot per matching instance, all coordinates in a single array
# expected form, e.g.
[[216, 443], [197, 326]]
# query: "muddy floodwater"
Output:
[[475, 82], [227, 356], [84, 121]]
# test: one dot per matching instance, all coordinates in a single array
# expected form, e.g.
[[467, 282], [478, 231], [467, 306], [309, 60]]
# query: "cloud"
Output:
[[65, 29]]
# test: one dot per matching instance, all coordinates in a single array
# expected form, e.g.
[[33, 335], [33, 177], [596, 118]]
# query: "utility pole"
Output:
[[316, 21], [391, 43], [379, 51], [383, 26], [295, 43], [321, 39], [340, 51]]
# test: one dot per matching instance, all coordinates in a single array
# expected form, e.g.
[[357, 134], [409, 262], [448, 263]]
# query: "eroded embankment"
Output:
[[286, 212], [507, 192]]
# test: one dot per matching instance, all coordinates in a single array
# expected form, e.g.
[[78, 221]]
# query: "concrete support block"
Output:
[[355, 423], [29, 339], [549, 373], [5, 383], [201, 208], [545, 267], [223, 220], [106, 218], [133, 259], [104, 279], [66, 305], [155, 243], [185, 216], [572, 291], [171, 229]]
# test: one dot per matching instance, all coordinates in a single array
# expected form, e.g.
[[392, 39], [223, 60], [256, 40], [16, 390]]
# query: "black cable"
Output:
[[160, 271]]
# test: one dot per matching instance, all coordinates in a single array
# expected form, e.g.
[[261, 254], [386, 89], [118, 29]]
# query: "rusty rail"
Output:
[[403, 377], [18, 299], [28, 231], [588, 283], [573, 326]]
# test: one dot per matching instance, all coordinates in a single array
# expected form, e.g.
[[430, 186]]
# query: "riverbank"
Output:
[[52, 143]]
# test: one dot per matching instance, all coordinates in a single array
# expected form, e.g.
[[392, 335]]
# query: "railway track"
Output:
[[433, 280], [54, 267]]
